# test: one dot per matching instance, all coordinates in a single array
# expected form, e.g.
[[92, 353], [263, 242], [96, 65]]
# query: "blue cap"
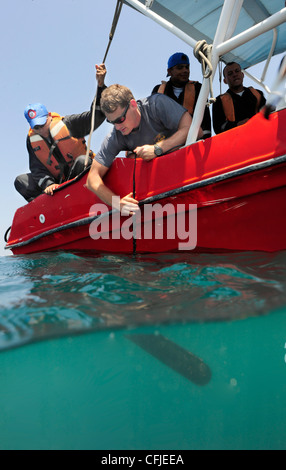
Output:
[[178, 58], [36, 114]]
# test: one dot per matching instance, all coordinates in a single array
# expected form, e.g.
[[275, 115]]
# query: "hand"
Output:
[[146, 152], [100, 74], [50, 189], [128, 205]]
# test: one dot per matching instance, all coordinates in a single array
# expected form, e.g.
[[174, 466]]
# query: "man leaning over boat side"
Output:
[[149, 128], [56, 145], [238, 104], [181, 89]]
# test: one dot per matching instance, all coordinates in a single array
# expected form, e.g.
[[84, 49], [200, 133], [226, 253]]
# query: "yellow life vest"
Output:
[[60, 153], [228, 107], [189, 96]]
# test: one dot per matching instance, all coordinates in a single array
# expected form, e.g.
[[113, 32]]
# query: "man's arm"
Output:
[[42, 177], [176, 140], [79, 125], [126, 205], [263, 100], [220, 123], [206, 122], [155, 89]]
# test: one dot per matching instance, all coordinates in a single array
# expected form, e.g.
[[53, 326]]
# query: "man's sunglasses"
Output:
[[121, 118]]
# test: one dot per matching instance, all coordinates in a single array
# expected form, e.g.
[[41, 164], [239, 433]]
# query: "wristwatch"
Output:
[[157, 150]]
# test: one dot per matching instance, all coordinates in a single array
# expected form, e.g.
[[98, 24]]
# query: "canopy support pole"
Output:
[[260, 81], [222, 46], [251, 33], [223, 43], [228, 19], [274, 42]]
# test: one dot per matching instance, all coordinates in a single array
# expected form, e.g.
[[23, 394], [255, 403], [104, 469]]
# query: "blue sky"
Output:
[[48, 54]]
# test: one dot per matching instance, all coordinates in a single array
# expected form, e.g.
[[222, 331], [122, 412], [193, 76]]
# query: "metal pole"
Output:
[[260, 28], [230, 8]]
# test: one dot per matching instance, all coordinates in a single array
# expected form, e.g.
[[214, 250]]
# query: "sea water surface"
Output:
[[55, 294], [168, 351]]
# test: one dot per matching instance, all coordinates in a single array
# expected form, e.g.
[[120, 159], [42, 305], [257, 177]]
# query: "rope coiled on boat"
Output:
[[203, 53]]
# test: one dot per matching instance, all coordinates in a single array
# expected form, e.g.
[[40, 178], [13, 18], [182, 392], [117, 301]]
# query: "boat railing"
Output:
[[261, 81], [223, 44]]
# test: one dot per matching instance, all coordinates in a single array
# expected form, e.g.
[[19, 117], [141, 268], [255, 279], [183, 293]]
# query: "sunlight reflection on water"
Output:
[[56, 294]]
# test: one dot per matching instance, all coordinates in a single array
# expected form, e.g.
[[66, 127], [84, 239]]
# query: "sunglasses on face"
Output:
[[121, 118]]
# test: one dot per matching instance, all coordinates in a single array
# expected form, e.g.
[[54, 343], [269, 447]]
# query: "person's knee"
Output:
[[26, 186], [79, 165], [80, 162], [19, 183]]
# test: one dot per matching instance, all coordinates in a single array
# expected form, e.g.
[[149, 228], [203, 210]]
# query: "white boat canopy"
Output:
[[244, 31], [199, 19]]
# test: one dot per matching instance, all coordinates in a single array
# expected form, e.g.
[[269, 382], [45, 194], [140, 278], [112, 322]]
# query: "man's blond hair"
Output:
[[115, 96]]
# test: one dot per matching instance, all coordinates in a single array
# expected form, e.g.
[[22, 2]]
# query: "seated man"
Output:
[[149, 127], [182, 90], [238, 104], [56, 145]]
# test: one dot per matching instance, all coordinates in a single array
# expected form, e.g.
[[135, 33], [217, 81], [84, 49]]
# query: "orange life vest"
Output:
[[60, 153], [189, 96], [228, 107]]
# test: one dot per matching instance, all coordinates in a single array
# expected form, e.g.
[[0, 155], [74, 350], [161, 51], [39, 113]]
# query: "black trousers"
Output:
[[29, 189]]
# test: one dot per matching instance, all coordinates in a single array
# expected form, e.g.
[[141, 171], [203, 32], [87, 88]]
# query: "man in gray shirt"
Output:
[[149, 128]]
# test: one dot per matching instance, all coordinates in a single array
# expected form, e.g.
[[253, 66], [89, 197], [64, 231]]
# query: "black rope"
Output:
[[134, 194], [114, 25], [6, 234], [111, 35]]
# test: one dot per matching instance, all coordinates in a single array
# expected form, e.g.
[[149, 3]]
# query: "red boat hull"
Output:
[[236, 179]]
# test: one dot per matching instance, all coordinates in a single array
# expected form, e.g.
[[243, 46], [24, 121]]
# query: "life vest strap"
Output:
[[189, 96], [228, 106], [61, 151]]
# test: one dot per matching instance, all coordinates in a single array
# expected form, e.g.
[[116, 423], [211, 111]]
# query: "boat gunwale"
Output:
[[152, 199]]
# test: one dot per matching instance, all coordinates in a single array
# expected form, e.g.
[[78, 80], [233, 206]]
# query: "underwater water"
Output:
[[169, 351]]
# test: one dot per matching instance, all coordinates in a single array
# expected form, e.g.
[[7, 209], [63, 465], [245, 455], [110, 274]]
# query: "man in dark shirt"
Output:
[[238, 104], [182, 90], [150, 128], [45, 177]]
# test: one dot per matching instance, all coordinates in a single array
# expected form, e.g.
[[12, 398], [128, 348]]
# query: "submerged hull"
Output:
[[227, 193]]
